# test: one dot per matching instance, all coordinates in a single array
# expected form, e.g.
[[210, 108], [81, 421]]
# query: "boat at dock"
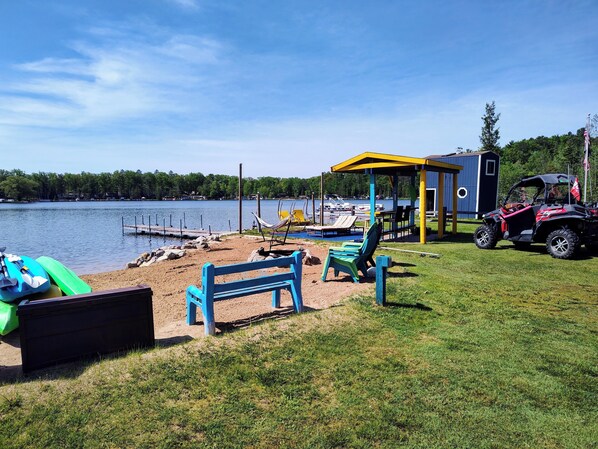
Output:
[[364, 208], [334, 204]]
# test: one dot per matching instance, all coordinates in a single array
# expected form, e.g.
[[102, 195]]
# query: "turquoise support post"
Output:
[[372, 198], [297, 270], [382, 265]]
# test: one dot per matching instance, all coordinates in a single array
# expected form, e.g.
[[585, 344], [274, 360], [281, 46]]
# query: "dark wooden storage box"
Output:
[[71, 327]]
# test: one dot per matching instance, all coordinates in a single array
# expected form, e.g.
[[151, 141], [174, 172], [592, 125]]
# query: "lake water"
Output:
[[87, 236]]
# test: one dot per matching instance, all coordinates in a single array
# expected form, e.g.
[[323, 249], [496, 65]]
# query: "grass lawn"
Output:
[[480, 349]]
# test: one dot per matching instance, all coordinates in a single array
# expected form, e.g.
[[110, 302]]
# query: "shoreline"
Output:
[[169, 280]]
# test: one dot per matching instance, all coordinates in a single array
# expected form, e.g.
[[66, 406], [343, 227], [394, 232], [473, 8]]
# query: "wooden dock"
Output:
[[167, 231]]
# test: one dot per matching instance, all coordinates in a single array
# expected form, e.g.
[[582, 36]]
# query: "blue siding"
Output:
[[467, 179], [476, 183]]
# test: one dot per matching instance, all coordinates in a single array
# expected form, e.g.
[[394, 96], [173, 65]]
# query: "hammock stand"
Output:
[[275, 229]]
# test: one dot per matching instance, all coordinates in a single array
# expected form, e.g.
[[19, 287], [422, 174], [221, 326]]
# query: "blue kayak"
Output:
[[23, 277]]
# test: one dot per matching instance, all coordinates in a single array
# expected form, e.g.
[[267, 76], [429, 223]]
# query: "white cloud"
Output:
[[186, 4], [118, 79]]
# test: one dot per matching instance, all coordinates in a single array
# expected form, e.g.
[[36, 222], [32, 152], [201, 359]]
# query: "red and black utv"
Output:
[[542, 209]]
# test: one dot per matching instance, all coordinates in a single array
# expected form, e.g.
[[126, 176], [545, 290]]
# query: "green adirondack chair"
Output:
[[351, 259]]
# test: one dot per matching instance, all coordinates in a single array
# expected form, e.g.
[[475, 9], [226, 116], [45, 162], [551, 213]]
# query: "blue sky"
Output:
[[288, 88]]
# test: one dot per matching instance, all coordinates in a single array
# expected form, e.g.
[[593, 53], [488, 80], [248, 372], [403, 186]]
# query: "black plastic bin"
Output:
[[62, 329]]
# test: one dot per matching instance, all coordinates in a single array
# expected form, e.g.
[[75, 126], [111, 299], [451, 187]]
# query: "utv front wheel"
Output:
[[485, 237], [562, 243]]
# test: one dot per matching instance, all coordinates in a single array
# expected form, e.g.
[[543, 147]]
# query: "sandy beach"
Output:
[[169, 280]]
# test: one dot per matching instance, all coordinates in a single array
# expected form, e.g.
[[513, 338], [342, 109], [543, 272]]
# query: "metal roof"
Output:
[[388, 164], [549, 178], [462, 154]]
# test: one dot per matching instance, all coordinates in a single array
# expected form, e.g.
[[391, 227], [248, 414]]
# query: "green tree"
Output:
[[490, 133], [19, 188]]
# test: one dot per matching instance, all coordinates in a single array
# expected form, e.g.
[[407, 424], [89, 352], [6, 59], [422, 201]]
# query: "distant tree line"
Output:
[[135, 185], [555, 154], [526, 157]]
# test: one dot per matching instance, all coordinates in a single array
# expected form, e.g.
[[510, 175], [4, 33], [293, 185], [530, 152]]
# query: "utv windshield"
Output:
[[525, 195], [541, 189]]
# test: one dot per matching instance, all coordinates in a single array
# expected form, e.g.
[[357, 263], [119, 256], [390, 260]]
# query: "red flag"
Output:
[[575, 190]]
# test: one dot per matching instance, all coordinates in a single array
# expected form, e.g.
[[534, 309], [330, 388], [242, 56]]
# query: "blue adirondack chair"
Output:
[[351, 258]]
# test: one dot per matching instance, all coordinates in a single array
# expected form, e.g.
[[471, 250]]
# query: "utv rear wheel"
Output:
[[562, 243], [485, 237]]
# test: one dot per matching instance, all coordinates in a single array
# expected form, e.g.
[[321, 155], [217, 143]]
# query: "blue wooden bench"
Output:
[[211, 291]]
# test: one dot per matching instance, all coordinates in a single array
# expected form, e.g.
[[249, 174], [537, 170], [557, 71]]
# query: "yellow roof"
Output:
[[380, 163]]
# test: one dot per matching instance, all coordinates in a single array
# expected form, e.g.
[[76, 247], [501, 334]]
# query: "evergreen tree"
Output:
[[490, 133]]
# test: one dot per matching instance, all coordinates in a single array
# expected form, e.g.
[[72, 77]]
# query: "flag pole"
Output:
[[586, 158]]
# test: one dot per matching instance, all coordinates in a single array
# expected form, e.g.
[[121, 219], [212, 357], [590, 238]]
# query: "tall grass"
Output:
[[480, 349]]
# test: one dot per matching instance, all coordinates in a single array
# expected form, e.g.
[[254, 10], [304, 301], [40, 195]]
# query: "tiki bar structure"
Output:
[[376, 164]]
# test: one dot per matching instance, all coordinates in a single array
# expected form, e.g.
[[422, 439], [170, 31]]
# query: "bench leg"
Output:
[[297, 298], [194, 298], [207, 309], [191, 305], [276, 298]]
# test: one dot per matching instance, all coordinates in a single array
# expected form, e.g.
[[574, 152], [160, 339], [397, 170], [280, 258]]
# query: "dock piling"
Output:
[[259, 206]]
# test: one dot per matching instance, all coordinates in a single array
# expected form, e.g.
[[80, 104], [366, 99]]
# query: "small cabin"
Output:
[[477, 191]]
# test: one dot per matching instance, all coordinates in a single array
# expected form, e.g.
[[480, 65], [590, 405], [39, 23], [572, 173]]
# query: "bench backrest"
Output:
[[210, 271]]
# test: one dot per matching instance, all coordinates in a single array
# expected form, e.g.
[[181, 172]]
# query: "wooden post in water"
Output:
[[259, 206], [135, 224], [142, 220], [313, 207], [122, 223], [181, 226], [322, 199], [164, 226], [149, 225], [157, 224], [171, 220], [184, 220], [240, 199]]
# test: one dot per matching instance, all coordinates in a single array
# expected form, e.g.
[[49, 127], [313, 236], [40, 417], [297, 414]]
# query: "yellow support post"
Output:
[[440, 205], [422, 206], [455, 197]]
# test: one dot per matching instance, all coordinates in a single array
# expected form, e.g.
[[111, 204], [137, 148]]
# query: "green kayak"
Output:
[[64, 277], [9, 320]]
